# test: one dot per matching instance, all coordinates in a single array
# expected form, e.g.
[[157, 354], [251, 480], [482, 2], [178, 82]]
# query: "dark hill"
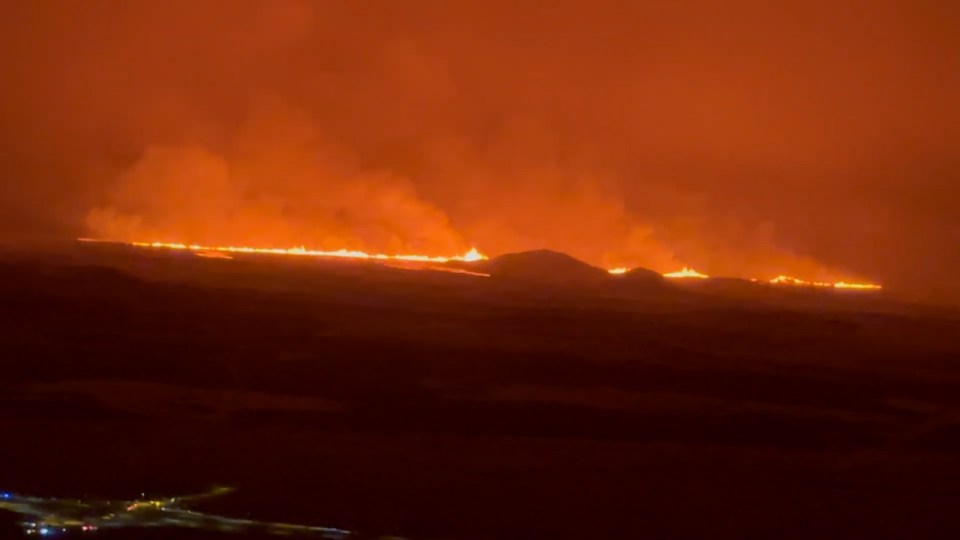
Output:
[[641, 281], [544, 266], [643, 275]]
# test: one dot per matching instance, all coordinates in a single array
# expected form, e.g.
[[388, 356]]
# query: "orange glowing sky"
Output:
[[810, 139]]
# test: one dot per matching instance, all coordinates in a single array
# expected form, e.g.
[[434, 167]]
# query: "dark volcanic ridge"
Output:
[[124, 267], [643, 275], [543, 266], [548, 267]]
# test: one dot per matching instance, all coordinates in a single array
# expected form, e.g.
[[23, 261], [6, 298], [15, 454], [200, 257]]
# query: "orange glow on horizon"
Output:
[[685, 273], [473, 255], [782, 279], [787, 280], [207, 251], [858, 286]]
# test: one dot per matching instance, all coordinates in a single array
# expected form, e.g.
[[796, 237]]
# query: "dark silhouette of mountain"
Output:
[[641, 281], [643, 275], [543, 266]]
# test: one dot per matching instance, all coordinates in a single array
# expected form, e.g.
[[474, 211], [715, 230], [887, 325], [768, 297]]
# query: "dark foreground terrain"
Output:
[[438, 405]]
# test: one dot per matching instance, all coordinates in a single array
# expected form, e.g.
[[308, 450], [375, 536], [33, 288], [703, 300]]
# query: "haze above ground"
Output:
[[753, 139]]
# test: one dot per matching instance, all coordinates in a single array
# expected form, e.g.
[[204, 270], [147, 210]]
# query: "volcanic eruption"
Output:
[[404, 134]]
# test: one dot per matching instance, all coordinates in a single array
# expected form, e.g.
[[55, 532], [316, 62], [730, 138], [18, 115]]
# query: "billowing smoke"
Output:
[[747, 140], [281, 183], [277, 184]]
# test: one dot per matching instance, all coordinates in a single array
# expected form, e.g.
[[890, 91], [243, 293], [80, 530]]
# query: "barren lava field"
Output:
[[438, 405]]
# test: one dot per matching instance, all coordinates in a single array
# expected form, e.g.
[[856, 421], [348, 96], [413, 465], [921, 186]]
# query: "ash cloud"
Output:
[[277, 183], [751, 140]]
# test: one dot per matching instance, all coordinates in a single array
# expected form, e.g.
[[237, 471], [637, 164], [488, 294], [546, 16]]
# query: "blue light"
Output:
[[5, 495], [45, 531]]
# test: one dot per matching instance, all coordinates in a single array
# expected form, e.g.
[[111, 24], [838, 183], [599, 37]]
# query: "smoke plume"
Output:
[[745, 140]]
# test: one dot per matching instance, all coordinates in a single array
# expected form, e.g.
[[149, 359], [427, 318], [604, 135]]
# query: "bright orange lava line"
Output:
[[787, 280], [779, 280], [686, 273], [861, 286], [470, 256]]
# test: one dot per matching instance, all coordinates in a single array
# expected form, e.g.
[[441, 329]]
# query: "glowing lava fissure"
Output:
[[687, 273], [472, 255]]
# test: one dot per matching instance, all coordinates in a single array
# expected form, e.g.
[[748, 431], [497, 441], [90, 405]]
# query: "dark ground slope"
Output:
[[444, 407]]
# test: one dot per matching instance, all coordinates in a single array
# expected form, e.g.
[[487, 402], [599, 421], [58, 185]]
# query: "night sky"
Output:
[[819, 139]]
